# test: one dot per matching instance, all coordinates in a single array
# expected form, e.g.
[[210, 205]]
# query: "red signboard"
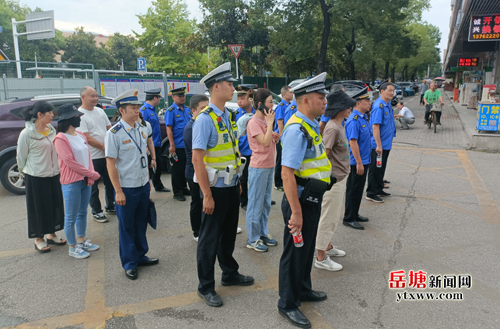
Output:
[[236, 49], [485, 28], [468, 61]]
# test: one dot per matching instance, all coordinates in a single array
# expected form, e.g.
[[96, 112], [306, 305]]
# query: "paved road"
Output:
[[443, 218]]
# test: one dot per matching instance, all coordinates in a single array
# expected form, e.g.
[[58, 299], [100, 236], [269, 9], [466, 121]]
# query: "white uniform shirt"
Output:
[[94, 122]]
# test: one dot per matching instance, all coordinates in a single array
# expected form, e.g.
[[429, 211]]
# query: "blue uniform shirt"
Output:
[[149, 115], [295, 146], [178, 119], [383, 115], [243, 140], [290, 110], [279, 114], [358, 128], [205, 135]]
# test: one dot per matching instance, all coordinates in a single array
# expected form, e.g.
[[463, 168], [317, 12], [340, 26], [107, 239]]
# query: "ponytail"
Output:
[[39, 107]]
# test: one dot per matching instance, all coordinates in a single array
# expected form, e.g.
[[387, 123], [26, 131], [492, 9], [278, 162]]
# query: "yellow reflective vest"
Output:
[[225, 152], [318, 167]]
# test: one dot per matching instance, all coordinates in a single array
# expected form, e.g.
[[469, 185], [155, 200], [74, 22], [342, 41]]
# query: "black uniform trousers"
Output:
[[244, 182], [296, 263], [179, 172], [428, 109], [278, 181], [156, 176], [217, 238], [109, 191], [196, 206], [354, 193], [376, 174]]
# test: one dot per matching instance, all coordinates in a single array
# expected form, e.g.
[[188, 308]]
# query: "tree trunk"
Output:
[[386, 76], [393, 74], [327, 16], [374, 72], [351, 47]]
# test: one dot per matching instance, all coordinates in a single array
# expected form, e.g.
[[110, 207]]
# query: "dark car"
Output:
[[11, 124]]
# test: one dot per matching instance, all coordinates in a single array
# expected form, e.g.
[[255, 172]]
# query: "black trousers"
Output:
[[422, 99], [428, 108], [196, 207], [244, 182], [179, 172], [217, 238], [375, 174], [354, 194], [109, 191], [156, 176], [296, 263], [278, 181]]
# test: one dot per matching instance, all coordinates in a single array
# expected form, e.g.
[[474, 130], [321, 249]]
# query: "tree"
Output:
[[121, 47], [166, 35]]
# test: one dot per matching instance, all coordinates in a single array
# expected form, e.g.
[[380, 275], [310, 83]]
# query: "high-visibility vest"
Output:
[[318, 167], [225, 152]]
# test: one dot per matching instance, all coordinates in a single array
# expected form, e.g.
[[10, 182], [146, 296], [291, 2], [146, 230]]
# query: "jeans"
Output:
[[259, 202], [76, 200]]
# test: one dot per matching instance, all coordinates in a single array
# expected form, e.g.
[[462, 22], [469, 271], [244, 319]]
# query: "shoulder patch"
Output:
[[281, 104], [381, 105], [355, 117], [171, 108], [291, 108], [230, 110], [115, 128]]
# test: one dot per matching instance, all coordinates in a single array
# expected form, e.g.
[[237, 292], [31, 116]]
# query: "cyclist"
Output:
[[432, 96]]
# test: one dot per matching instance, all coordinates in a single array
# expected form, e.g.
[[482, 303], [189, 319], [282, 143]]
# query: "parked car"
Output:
[[408, 88], [11, 124]]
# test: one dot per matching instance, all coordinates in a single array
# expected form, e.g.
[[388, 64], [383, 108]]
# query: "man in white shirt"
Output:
[[405, 116], [94, 126]]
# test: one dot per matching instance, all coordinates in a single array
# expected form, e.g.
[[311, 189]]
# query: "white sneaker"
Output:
[[88, 246], [327, 264], [238, 230], [78, 252], [195, 238], [335, 252]]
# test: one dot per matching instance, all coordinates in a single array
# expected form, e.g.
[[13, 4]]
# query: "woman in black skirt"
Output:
[[37, 162]]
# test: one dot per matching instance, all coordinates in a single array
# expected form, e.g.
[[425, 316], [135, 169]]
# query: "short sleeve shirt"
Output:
[[243, 140], [178, 118], [357, 128], [149, 115], [406, 112], [290, 110], [383, 115], [128, 145], [432, 97], [279, 113], [336, 141], [94, 123], [262, 156]]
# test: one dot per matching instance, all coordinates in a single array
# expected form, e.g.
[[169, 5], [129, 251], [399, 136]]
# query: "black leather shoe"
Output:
[[314, 296], [131, 274], [384, 194], [362, 219], [163, 189], [296, 318], [149, 262], [354, 225], [180, 197], [211, 299], [239, 280], [273, 202], [186, 191]]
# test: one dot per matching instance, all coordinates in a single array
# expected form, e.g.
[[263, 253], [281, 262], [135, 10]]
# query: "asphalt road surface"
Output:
[[443, 219]]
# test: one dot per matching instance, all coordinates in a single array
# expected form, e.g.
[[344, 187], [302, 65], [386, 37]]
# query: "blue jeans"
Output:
[[76, 200], [259, 202]]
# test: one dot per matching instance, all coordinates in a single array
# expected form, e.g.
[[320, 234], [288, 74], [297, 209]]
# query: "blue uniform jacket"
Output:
[[149, 115], [383, 115], [279, 113], [243, 140], [358, 128], [290, 110], [178, 119]]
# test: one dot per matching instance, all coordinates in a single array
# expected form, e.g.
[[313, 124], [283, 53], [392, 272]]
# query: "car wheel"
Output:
[[165, 161], [9, 175], [405, 94]]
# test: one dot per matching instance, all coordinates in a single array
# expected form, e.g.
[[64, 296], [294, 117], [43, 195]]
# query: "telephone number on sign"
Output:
[[486, 36]]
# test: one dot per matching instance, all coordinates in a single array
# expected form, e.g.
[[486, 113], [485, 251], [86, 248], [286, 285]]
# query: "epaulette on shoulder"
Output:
[[381, 105], [207, 110], [171, 108], [231, 110], [115, 128], [143, 123], [281, 104], [355, 117], [291, 108]]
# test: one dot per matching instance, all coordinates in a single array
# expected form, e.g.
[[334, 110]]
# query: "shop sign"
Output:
[[468, 61], [485, 28]]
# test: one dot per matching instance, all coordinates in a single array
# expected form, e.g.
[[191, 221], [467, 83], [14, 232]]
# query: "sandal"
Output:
[[386, 186], [40, 245], [57, 241], [386, 181]]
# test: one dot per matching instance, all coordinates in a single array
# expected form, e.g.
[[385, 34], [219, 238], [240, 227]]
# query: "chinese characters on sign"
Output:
[[488, 117], [485, 28], [468, 61], [420, 280]]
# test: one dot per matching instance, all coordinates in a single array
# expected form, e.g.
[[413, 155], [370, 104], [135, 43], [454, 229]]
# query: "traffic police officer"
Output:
[[176, 119], [127, 164], [358, 132], [148, 110], [306, 174], [216, 162], [244, 99], [384, 130]]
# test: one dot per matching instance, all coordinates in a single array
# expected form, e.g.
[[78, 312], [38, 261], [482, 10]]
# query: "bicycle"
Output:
[[432, 120]]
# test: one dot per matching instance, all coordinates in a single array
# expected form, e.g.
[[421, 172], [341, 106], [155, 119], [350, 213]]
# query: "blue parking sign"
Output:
[[141, 64]]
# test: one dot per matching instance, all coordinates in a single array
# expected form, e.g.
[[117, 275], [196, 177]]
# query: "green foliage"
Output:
[[121, 47]]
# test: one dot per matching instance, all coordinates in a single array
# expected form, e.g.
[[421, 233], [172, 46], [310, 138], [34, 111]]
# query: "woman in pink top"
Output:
[[77, 177], [262, 140]]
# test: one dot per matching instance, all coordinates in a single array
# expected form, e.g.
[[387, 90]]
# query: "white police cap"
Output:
[[313, 85], [222, 73], [128, 97]]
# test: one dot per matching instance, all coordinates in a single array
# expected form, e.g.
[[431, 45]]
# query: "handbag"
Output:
[[152, 214]]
